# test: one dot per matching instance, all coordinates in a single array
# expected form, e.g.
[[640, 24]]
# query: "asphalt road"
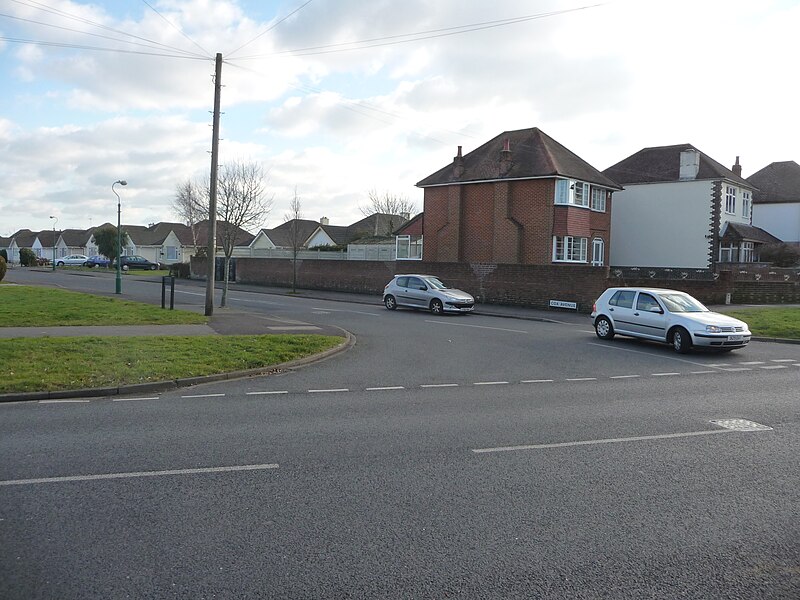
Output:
[[463, 457]]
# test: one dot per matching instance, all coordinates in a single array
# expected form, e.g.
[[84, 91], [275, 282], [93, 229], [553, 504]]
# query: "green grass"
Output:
[[777, 322], [32, 306], [48, 364]]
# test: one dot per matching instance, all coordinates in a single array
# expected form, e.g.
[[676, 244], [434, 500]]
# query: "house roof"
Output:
[[281, 235], [376, 224], [47, 238], [661, 164], [76, 237], [410, 224], [24, 238], [777, 182], [532, 154], [741, 231], [241, 237]]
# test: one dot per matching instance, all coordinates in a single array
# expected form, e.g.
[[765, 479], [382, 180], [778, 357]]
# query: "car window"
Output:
[[679, 303], [623, 298], [645, 302], [437, 283], [402, 282], [415, 283]]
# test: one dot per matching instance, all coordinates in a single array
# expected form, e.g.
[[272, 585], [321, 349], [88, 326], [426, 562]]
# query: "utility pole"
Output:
[[212, 194]]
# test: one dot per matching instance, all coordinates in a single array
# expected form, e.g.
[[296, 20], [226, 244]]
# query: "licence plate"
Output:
[[735, 338]]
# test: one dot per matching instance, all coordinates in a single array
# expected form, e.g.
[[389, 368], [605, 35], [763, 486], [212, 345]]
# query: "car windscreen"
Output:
[[680, 303], [436, 283]]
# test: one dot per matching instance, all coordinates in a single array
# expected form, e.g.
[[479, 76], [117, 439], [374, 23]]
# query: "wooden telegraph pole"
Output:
[[212, 195]]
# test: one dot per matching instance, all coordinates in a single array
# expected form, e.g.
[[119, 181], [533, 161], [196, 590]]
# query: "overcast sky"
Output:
[[338, 97]]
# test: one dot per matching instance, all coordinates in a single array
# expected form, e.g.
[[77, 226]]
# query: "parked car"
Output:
[[71, 260], [428, 292], [135, 262], [668, 316], [97, 261]]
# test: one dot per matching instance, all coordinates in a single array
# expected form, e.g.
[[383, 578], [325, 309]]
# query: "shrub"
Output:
[[3, 267], [179, 270], [4, 254], [27, 257], [780, 255]]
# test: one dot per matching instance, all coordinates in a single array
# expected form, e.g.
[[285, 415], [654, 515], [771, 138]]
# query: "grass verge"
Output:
[[33, 306], [777, 322], [48, 364]]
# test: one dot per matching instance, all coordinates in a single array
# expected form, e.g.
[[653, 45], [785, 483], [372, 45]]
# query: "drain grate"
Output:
[[741, 425]]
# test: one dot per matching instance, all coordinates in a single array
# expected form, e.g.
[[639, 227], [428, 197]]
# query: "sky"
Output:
[[337, 98]]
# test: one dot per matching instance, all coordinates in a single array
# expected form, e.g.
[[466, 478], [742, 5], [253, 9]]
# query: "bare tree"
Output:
[[293, 218], [399, 208], [191, 205], [242, 204]]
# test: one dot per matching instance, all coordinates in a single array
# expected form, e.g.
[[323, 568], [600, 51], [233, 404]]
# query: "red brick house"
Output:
[[520, 198]]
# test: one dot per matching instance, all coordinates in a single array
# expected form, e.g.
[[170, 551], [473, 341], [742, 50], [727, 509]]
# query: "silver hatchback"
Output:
[[428, 292], [668, 316]]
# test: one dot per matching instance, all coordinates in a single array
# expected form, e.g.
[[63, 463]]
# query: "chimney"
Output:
[[690, 164], [458, 164], [505, 158], [324, 221], [737, 168]]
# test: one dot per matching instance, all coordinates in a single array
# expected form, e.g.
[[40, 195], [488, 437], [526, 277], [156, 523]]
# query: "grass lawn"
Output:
[[47, 364], [64, 363], [778, 322], [33, 306]]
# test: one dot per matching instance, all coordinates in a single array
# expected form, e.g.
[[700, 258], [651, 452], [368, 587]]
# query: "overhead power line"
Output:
[[271, 27], [178, 29]]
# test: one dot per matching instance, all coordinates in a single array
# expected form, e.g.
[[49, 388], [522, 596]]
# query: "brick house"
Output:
[[520, 198]]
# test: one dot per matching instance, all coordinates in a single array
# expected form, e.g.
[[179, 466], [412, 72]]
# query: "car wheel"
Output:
[[436, 306], [60, 263], [153, 267], [681, 340], [390, 302], [124, 267], [604, 329]]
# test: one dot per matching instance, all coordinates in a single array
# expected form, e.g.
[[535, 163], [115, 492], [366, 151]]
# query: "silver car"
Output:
[[71, 260], [428, 292], [668, 316]]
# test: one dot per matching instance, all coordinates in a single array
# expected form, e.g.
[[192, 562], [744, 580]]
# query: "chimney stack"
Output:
[[458, 164], [323, 221], [737, 168], [505, 158]]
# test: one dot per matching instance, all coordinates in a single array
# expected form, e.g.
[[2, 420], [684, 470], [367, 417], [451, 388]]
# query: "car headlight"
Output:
[[713, 329]]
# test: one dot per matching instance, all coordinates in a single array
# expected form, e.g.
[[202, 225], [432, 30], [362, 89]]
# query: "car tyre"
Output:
[[437, 307], [390, 302], [60, 263], [604, 329], [124, 267], [681, 340], [153, 267]]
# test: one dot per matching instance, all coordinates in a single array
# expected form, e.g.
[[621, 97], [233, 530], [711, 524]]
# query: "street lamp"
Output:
[[118, 289], [54, 240]]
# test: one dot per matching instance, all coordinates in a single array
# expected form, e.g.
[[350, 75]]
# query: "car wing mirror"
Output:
[[655, 309]]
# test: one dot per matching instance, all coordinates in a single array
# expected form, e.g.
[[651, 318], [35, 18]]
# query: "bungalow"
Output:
[[776, 202]]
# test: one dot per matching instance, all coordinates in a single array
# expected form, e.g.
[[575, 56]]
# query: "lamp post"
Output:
[[54, 240], [118, 289]]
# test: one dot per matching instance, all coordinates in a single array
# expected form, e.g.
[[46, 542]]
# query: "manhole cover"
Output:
[[741, 425]]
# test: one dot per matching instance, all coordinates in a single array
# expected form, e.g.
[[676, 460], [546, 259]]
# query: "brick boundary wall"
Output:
[[519, 285]]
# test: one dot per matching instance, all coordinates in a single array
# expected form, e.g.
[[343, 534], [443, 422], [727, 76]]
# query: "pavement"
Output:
[[227, 321]]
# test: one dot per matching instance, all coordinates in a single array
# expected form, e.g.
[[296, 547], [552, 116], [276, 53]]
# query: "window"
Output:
[[646, 302], [747, 254], [409, 247], [747, 204], [730, 200], [172, 253], [402, 282], [727, 252], [598, 199], [598, 250], [569, 249], [623, 299], [573, 192]]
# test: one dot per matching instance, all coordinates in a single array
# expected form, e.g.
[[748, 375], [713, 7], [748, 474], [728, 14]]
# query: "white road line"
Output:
[[438, 385], [775, 367], [720, 365], [701, 372], [328, 390], [490, 383], [388, 387], [784, 360], [266, 393], [294, 328], [752, 362], [138, 474], [204, 396], [663, 374], [133, 399], [536, 381], [582, 379], [355, 312], [738, 369], [624, 376], [476, 326], [651, 354], [64, 401], [601, 441]]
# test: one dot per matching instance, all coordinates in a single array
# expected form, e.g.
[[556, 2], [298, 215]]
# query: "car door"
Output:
[[648, 318], [620, 309], [417, 292]]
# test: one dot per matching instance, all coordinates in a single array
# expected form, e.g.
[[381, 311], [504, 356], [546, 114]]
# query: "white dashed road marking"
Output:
[[582, 379], [536, 381], [490, 383], [267, 393], [389, 387], [138, 474], [204, 396], [774, 367], [624, 376], [784, 360], [663, 374], [64, 401], [133, 399], [329, 390], [438, 385]]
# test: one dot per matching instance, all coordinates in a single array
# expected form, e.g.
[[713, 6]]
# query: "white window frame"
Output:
[[726, 252], [598, 199], [747, 204], [598, 251], [747, 252], [567, 192], [408, 247], [730, 200], [567, 248]]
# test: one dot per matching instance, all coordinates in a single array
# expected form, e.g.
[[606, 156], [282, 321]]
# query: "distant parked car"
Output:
[[668, 316], [97, 261], [136, 262], [72, 260], [428, 292]]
